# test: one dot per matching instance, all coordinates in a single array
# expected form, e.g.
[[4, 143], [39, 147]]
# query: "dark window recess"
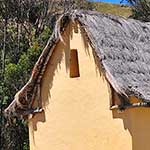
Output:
[[74, 64]]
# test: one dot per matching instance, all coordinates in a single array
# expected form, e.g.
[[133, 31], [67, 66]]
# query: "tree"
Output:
[[141, 9]]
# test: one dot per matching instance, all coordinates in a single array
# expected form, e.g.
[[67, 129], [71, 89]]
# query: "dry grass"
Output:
[[119, 10]]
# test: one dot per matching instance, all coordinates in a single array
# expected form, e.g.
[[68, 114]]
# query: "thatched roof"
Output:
[[123, 49]]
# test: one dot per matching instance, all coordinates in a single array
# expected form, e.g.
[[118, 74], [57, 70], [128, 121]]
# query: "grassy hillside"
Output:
[[119, 10]]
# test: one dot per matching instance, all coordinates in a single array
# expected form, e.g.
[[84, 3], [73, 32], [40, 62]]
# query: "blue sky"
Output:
[[111, 1]]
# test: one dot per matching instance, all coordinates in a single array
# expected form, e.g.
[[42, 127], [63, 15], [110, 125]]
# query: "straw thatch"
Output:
[[122, 47]]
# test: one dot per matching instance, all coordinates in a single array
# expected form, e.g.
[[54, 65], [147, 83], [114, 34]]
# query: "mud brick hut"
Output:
[[90, 88]]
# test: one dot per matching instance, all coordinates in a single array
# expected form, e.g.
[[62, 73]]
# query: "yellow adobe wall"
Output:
[[77, 115]]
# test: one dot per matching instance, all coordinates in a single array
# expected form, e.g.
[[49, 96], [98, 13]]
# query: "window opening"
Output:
[[74, 64]]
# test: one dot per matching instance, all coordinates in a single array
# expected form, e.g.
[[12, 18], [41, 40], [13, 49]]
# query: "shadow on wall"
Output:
[[60, 51], [54, 66], [137, 121]]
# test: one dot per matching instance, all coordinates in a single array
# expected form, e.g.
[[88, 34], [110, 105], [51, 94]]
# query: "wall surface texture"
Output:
[[76, 110]]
